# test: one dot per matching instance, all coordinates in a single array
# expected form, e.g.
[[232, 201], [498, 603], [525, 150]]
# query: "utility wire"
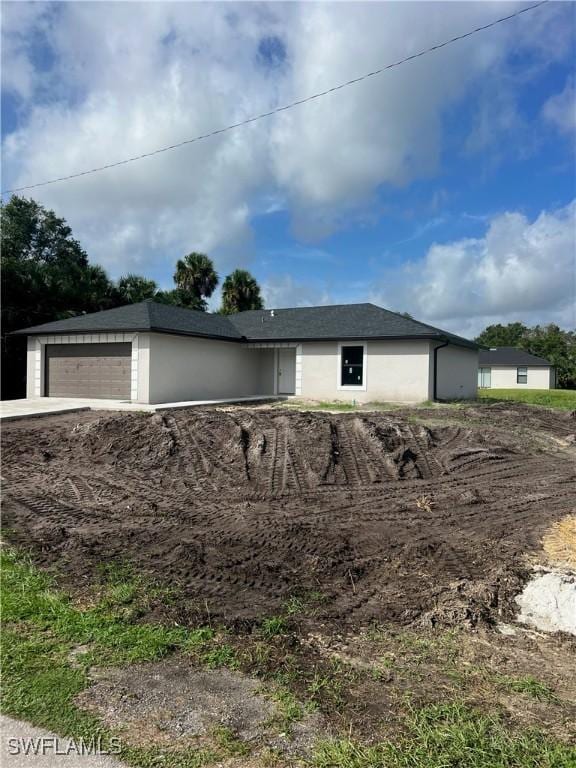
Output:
[[283, 108]]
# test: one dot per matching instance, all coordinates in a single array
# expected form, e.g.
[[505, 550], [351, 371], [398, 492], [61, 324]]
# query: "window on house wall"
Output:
[[522, 375], [485, 377], [352, 366]]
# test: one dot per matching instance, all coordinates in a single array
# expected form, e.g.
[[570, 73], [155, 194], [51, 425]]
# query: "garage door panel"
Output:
[[89, 370]]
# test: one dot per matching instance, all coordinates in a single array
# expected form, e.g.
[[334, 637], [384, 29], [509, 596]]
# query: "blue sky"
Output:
[[445, 187]]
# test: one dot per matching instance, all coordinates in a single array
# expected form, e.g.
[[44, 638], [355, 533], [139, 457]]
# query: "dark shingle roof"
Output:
[[341, 321], [344, 321], [145, 316], [509, 356]]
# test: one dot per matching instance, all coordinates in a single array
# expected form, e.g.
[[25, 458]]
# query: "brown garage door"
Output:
[[88, 370]]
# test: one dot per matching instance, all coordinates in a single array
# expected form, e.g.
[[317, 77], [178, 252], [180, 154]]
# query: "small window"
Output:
[[352, 371], [522, 375], [485, 378]]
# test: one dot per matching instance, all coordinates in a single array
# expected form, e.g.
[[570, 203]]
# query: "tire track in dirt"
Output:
[[390, 520]]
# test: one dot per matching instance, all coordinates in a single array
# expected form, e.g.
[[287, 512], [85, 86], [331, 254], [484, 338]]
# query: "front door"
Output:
[[286, 371]]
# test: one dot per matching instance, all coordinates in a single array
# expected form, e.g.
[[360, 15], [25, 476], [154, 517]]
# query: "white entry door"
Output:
[[286, 371]]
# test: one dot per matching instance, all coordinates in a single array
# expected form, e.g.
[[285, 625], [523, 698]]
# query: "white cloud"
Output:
[[560, 109], [520, 270], [283, 290], [131, 77]]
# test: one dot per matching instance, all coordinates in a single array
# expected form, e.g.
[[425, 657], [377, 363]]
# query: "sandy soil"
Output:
[[422, 519]]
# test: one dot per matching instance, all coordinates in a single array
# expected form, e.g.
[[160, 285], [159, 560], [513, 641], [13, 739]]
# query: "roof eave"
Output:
[[38, 331], [388, 337], [47, 332]]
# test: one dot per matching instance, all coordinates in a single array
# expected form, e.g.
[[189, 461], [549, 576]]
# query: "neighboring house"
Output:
[[512, 368], [156, 353]]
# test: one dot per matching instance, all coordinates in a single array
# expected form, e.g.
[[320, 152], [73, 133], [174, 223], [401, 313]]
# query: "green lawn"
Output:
[[449, 736], [552, 398]]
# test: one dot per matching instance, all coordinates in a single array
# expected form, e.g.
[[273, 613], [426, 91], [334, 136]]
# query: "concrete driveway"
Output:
[[24, 746], [48, 406]]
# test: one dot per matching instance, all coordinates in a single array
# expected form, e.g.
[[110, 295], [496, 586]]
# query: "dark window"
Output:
[[352, 374], [521, 375]]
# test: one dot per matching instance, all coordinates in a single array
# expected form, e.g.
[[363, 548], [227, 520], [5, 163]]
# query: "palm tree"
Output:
[[240, 292], [195, 279], [133, 288]]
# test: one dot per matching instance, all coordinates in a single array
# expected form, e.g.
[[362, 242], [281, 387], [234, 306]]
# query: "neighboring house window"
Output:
[[485, 377], [352, 366], [521, 375]]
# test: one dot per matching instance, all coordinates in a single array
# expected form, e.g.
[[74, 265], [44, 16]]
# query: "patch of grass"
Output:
[[327, 689], [39, 685], [28, 596], [336, 405], [381, 669], [221, 656], [127, 594], [275, 625], [439, 646], [42, 675], [198, 639], [564, 399], [288, 708], [450, 736], [229, 742], [298, 604], [529, 686], [294, 605], [257, 655], [323, 405]]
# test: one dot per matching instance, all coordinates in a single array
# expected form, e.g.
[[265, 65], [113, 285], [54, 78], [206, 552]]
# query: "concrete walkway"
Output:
[[51, 751], [49, 406]]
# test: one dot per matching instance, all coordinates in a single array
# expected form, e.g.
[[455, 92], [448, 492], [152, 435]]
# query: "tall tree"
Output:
[[556, 345], [240, 292], [502, 335], [196, 280], [45, 276], [133, 288]]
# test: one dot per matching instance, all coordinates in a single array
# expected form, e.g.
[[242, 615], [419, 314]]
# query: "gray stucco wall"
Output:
[[143, 368], [457, 377], [187, 368], [396, 371], [31, 366]]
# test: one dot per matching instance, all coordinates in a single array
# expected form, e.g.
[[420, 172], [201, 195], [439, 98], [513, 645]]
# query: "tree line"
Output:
[[46, 275]]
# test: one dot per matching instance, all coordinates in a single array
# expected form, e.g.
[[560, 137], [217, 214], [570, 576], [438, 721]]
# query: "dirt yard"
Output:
[[415, 517]]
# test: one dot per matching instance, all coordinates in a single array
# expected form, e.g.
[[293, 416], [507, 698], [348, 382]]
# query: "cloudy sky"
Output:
[[445, 187]]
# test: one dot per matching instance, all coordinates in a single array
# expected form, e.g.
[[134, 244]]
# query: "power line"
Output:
[[280, 109]]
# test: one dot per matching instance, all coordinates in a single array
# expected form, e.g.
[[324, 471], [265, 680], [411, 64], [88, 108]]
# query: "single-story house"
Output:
[[156, 353], [512, 368]]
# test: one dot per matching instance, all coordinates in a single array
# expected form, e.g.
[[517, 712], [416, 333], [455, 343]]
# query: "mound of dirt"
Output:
[[382, 518]]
